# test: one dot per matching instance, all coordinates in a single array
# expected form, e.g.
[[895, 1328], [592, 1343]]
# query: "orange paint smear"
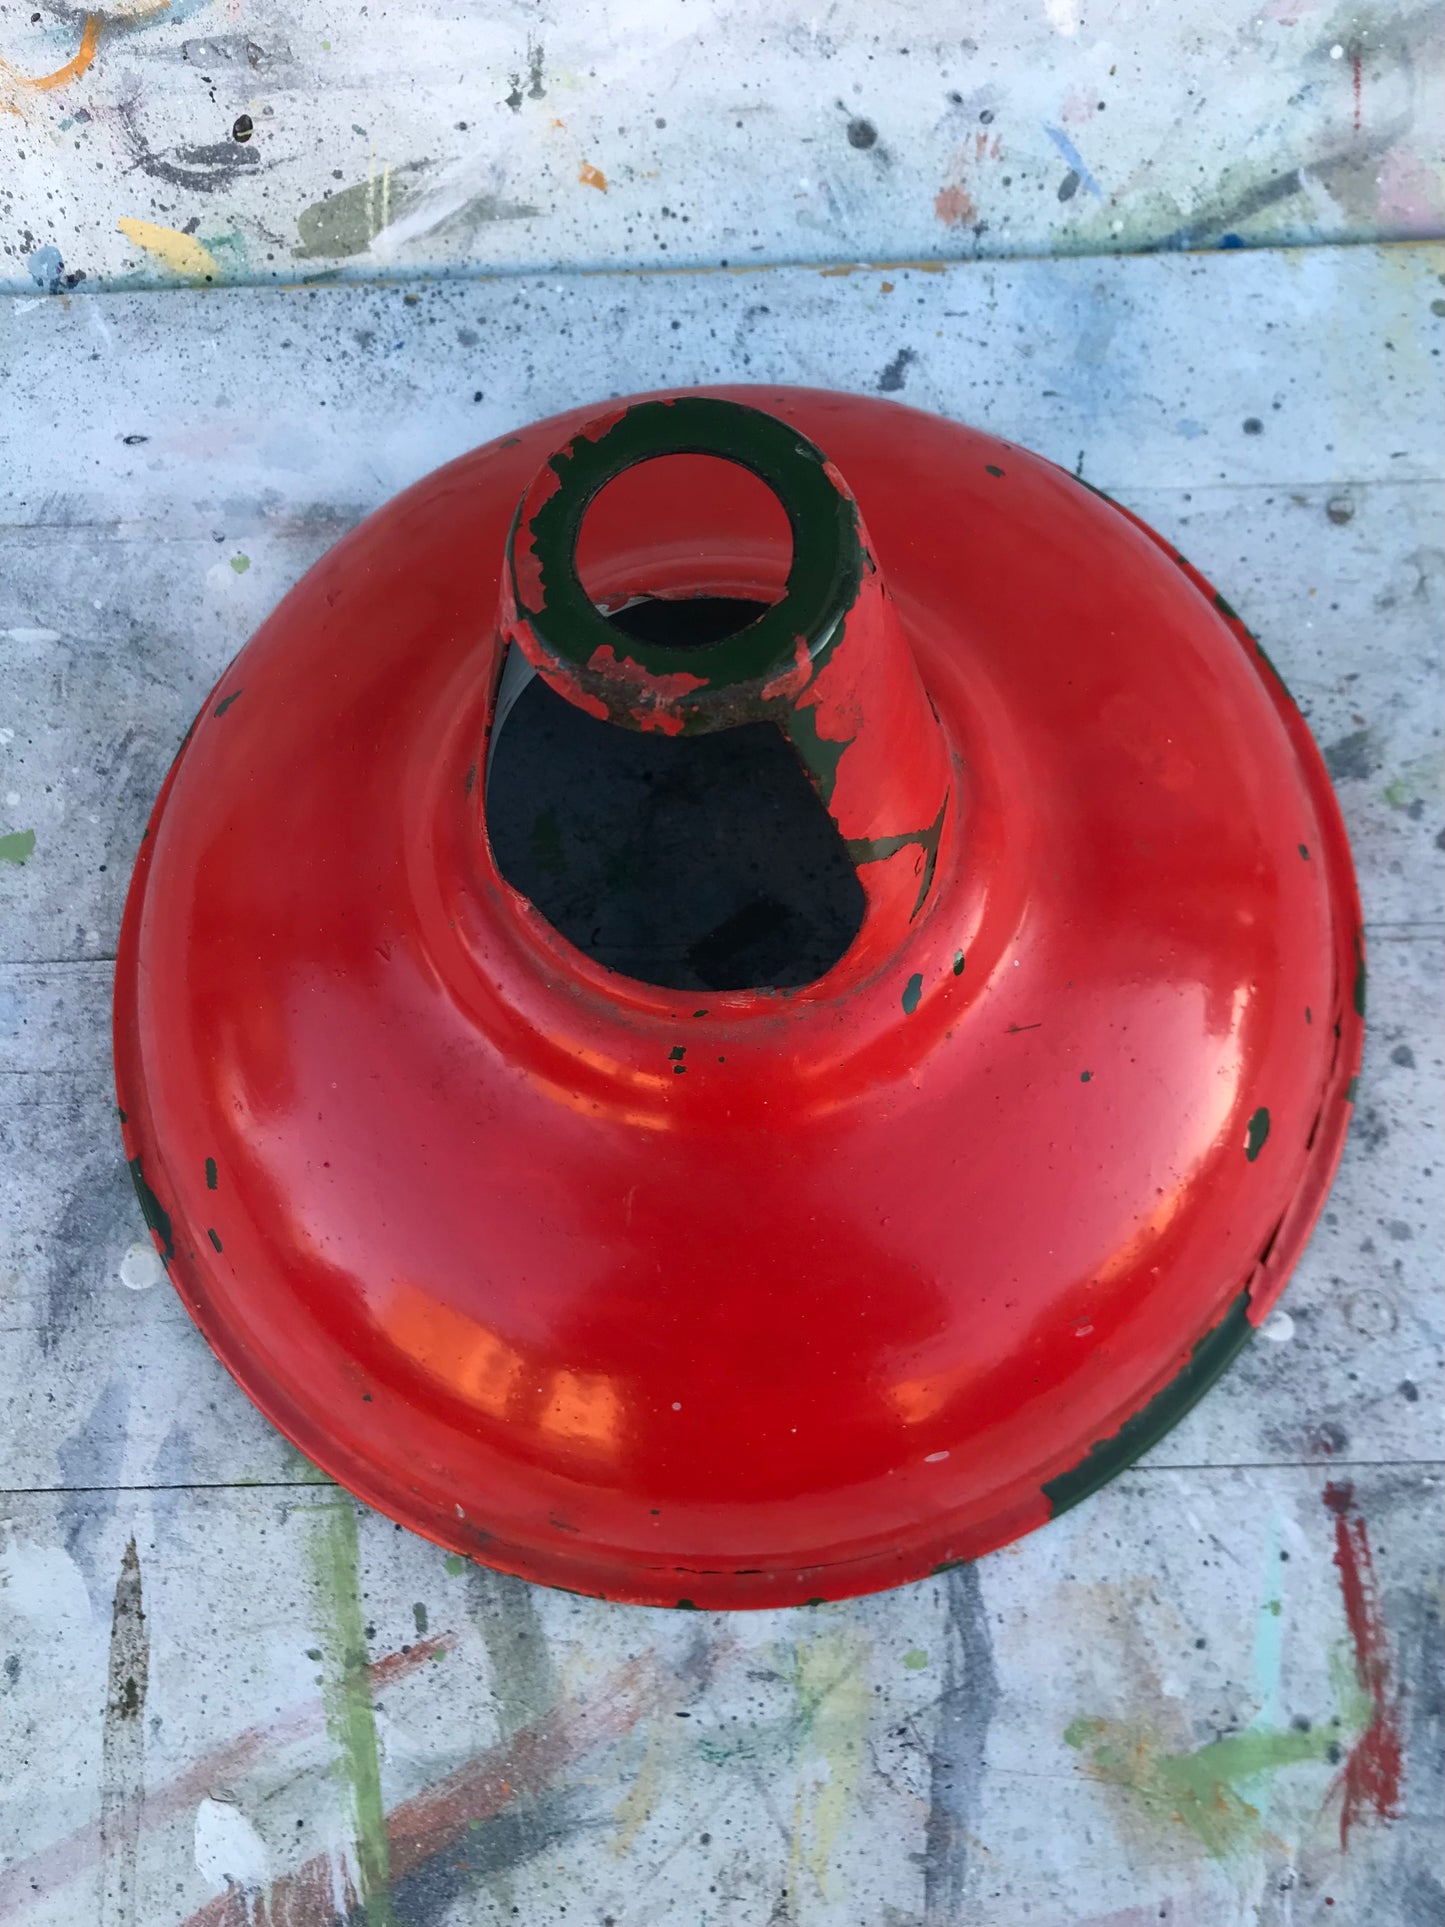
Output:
[[591, 176], [72, 70], [954, 205]]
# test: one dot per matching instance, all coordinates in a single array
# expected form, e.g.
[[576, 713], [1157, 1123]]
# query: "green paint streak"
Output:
[[1110, 1456], [17, 846], [1360, 976], [346, 1696], [1352, 1090], [454, 1563], [916, 1660], [213, 1238], [240, 563], [819, 755], [1201, 1788], [1256, 1132], [992, 469], [1304, 851], [1224, 608], [912, 991], [349, 221], [157, 1219]]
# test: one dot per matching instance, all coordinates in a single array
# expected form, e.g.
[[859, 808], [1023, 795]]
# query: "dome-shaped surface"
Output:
[[761, 1294]]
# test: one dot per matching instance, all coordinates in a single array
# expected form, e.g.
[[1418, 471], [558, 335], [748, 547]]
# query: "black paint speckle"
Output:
[[1069, 185], [896, 373], [862, 133], [242, 128], [1253, 425]]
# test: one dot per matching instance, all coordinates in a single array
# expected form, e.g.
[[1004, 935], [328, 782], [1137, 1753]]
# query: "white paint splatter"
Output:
[[141, 1268], [1063, 15], [1279, 1327], [31, 635], [934, 1458], [229, 1851]]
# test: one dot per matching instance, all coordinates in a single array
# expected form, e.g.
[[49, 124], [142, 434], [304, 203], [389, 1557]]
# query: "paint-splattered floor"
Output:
[[1208, 1697]]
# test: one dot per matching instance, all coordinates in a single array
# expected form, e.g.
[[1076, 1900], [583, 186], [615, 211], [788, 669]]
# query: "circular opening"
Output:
[[685, 525], [635, 449], [703, 863]]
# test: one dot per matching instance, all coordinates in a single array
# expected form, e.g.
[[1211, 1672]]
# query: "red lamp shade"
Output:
[[741, 1036]]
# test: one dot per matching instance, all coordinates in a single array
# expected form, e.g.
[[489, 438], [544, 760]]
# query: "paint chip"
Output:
[[934, 1458], [912, 991], [1256, 1133], [240, 563], [915, 1660], [591, 176], [17, 846]]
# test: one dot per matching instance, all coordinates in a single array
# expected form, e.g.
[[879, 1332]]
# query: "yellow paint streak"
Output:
[[831, 1681], [591, 176], [72, 70], [638, 1802], [181, 253]]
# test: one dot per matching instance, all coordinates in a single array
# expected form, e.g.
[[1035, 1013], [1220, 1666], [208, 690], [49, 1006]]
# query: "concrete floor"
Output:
[[229, 1694]]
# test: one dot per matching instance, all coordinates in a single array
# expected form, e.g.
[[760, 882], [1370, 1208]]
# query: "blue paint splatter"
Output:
[[1075, 159]]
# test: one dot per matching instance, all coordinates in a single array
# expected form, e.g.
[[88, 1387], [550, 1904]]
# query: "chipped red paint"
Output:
[[631, 675], [493, 1263], [597, 427], [1370, 1781], [793, 680]]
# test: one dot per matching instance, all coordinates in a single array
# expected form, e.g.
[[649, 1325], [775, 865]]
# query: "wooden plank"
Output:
[[441, 137], [1190, 1741], [883, 1760]]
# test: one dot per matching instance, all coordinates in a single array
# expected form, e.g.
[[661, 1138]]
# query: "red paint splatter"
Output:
[[1371, 1777], [954, 205], [1357, 61]]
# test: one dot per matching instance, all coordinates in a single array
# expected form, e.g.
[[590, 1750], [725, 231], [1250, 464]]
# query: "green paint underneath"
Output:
[[958, 963], [346, 1696], [1201, 1788], [875, 849], [213, 1237], [1361, 975], [1210, 1357], [916, 1660], [1256, 1133], [157, 1219], [1086, 1077], [912, 991], [212, 1175], [240, 563], [16, 846], [454, 1563]]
